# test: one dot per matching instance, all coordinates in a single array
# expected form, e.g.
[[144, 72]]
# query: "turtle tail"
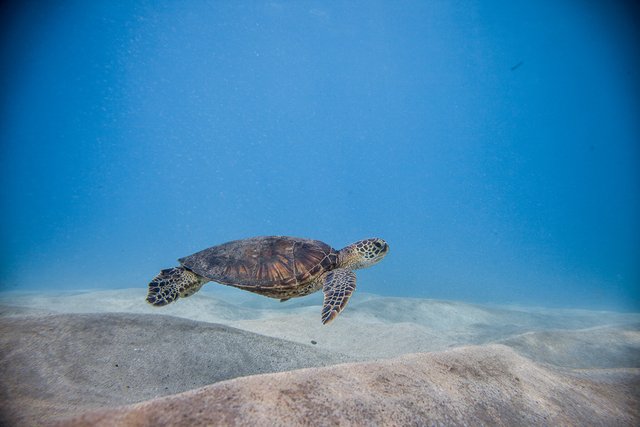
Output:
[[173, 283]]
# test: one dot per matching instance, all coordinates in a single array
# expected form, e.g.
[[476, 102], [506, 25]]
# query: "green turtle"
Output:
[[274, 266]]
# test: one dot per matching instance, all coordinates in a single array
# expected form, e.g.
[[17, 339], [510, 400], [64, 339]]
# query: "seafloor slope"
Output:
[[512, 366]]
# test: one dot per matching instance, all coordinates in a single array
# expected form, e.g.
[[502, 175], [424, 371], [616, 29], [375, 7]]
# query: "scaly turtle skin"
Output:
[[274, 266]]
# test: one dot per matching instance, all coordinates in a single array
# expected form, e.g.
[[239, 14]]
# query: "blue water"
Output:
[[494, 144]]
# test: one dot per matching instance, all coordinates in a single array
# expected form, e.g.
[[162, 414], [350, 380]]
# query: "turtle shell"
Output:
[[264, 262]]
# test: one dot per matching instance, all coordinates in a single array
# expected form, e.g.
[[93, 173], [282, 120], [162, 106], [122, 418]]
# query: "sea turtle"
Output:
[[274, 266]]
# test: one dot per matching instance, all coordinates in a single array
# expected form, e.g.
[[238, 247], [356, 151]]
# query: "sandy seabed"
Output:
[[227, 357]]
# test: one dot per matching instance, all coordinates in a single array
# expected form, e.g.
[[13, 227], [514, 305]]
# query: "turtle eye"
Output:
[[377, 244]]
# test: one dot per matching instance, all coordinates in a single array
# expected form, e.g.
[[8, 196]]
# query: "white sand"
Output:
[[58, 363], [488, 385], [371, 326]]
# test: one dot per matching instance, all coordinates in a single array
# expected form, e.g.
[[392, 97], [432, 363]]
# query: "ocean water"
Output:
[[494, 145]]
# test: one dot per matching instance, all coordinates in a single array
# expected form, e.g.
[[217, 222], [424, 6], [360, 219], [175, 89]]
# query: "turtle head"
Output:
[[363, 253]]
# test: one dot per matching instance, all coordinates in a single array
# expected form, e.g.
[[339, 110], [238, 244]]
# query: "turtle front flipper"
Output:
[[173, 283], [338, 286]]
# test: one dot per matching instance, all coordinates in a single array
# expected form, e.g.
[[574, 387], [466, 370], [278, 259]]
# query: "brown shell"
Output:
[[270, 262]]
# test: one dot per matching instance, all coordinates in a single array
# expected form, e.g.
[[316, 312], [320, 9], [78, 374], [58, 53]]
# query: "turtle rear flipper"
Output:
[[173, 283]]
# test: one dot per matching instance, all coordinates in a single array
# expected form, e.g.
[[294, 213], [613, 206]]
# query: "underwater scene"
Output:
[[357, 213]]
